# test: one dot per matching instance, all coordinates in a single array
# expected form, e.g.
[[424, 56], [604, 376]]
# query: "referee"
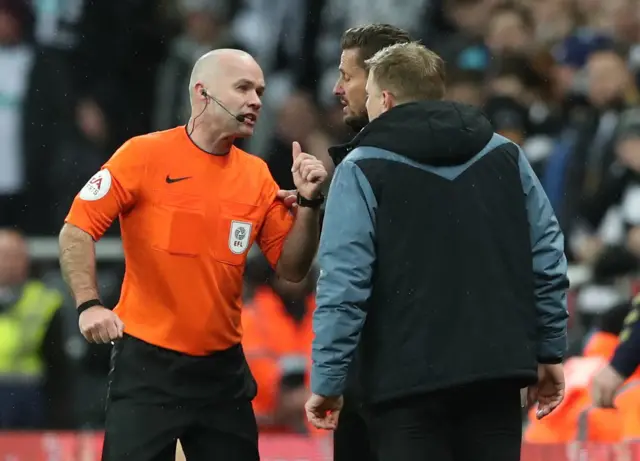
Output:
[[440, 254], [190, 206]]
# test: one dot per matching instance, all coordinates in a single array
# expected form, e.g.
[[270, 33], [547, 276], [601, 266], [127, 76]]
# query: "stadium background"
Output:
[[78, 77]]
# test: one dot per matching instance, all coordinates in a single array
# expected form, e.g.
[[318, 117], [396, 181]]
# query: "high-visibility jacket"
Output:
[[627, 403], [575, 418], [274, 343], [23, 328]]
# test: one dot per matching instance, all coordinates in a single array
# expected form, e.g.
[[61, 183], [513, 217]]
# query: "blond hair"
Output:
[[409, 71]]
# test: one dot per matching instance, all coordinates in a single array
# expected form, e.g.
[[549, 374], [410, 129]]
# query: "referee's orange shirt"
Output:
[[188, 220]]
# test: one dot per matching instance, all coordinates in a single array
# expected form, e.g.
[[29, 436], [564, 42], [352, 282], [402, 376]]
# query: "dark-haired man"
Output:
[[351, 440]]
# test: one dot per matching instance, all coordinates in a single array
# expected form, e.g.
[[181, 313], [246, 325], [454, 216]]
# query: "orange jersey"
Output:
[[188, 219]]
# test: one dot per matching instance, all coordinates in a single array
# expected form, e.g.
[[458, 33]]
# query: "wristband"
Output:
[[310, 203], [87, 304]]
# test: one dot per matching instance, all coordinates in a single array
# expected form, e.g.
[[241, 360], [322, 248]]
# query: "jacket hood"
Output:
[[437, 133]]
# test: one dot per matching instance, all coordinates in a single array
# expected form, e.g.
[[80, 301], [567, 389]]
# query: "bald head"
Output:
[[207, 68], [14, 258], [225, 84]]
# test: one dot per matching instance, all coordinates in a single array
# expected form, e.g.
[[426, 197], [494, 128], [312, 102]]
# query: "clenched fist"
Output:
[[100, 325]]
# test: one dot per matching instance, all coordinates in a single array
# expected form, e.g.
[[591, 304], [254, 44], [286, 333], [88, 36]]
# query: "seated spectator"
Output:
[[34, 375], [277, 342]]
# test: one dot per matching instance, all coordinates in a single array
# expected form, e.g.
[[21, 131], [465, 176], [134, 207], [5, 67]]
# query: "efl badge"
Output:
[[239, 236], [97, 187]]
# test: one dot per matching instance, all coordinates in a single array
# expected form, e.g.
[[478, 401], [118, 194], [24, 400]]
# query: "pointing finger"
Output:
[[296, 149]]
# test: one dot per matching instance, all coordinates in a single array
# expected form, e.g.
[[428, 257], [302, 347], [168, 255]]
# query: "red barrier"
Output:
[[86, 447]]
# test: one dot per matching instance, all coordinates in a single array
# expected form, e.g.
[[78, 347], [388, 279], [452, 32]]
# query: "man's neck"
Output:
[[209, 139]]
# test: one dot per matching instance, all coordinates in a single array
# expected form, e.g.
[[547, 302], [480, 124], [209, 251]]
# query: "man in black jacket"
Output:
[[437, 232]]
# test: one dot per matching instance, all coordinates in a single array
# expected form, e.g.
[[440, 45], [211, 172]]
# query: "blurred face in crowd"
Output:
[[350, 88], [236, 80], [470, 16], [621, 18], [512, 87], [466, 93], [628, 153], [201, 26], [10, 29], [378, 100], [296, 118], [608, 78], [588, 8], [508, 33], [553, 19], [14, 259]]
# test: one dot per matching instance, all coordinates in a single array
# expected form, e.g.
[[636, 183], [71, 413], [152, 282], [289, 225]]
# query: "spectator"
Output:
[[33, 88], [34, 370], [610, 90], [511, 29], [466, 48], [277, 342], [519, 110], [298, 120], [620, 190], [465, 86], [553, 19], [205, 27]]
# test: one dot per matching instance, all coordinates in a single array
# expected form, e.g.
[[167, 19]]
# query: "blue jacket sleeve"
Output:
[[549, 268], [346, 257]]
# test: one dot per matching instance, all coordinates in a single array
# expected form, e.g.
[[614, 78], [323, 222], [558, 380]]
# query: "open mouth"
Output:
[[250, 119]]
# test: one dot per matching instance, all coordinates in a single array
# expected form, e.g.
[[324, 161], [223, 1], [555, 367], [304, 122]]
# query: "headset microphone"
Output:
[[240, 118]]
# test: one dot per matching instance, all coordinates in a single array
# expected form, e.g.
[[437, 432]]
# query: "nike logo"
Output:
[[172, 180]]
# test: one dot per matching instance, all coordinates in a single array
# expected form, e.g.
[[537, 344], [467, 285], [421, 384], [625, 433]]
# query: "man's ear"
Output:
[[388, 100]]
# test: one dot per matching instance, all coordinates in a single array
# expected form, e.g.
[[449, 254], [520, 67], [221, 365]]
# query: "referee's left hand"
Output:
[[323, 412], [288, 197]]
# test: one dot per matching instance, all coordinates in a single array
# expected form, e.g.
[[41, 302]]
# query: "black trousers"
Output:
[[351, 439], [479, 422], [157, 396]]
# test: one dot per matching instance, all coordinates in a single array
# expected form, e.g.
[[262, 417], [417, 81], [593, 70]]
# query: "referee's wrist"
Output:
[[88, 305]]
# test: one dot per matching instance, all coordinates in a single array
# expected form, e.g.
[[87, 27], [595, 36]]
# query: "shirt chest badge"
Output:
[[239, 236]]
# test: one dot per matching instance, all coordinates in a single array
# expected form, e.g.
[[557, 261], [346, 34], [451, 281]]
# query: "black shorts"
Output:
[[157, 396], [479, 422], [351, 439]]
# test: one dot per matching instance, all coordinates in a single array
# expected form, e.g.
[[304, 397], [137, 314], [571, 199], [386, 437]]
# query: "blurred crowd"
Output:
[[79, 77]]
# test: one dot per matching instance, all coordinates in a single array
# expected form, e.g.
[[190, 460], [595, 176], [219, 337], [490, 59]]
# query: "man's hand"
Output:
[[100, 325], [288, 197], [323, 412], [605, 385], [549, 391], [309, 174]]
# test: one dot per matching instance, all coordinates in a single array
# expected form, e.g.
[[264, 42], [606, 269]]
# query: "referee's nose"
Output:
[[255, 103]]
